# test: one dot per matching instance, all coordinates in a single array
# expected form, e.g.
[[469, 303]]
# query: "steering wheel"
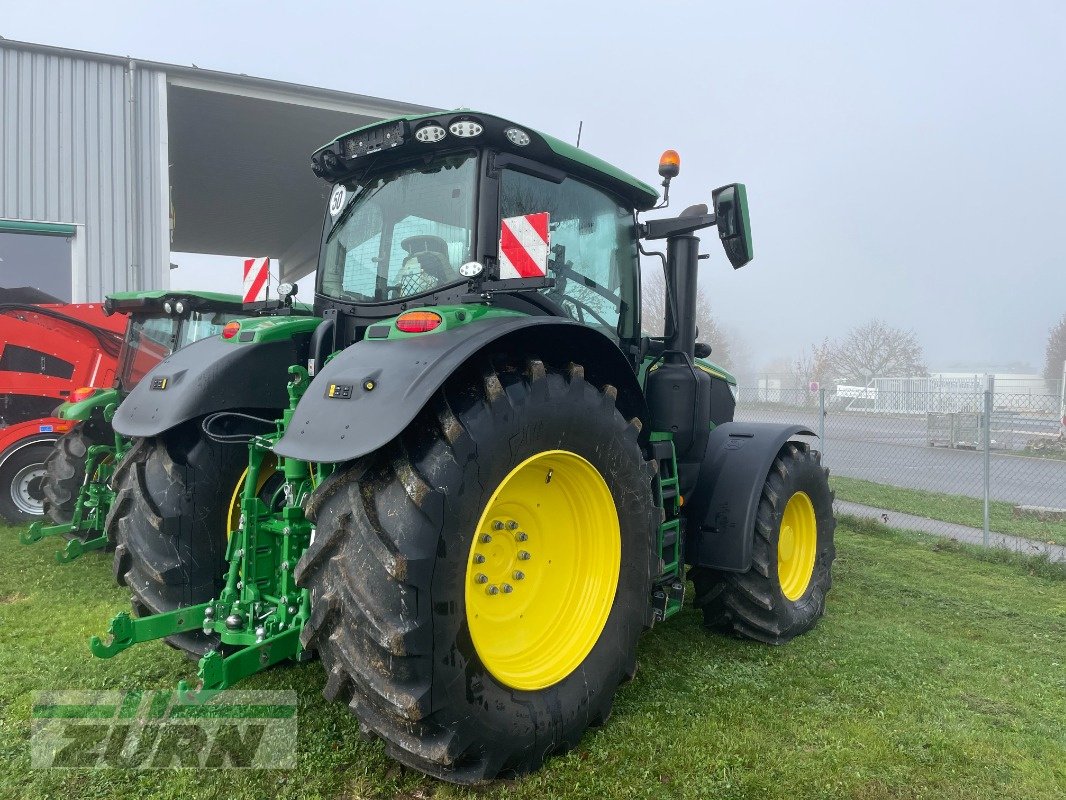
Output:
[[583, 306]]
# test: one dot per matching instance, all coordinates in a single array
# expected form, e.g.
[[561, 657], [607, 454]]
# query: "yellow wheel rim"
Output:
[[797, 545], [543, 570], [266, 472]]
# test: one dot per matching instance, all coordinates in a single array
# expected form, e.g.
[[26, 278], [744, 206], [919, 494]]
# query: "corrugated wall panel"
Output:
[[80, 142], [152, 171]]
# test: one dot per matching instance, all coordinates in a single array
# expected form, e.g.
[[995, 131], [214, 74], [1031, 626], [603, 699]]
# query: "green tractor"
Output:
[[482, 482], [77, 485]]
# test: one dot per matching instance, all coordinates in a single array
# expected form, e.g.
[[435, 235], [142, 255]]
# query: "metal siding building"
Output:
[[107, 150]]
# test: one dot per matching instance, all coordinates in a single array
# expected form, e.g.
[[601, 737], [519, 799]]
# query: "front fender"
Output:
[[79, 412], [372, 390], [211, 375], [15, 437], [721, 509]]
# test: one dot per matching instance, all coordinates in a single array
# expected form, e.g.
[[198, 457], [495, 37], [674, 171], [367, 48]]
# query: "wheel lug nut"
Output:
[[478, 558], [493, 590], [523, 555], [497, 526], [519, 575], [481, 578], [486, 537], [511, 525], [506, 588], [521, 536]]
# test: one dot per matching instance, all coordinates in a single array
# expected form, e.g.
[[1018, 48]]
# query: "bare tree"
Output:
[[653, 317], [1055, 355], [814, 365], [876, 350]]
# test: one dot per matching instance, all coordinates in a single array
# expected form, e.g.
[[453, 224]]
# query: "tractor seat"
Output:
[[425, 266]]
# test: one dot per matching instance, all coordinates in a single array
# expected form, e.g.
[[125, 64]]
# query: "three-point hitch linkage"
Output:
[[85, 531], [260, 611]]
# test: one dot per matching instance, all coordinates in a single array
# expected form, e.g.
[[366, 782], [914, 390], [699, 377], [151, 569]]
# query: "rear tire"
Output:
[[756, 604], [66, 468], [389, 571], [169, 523]]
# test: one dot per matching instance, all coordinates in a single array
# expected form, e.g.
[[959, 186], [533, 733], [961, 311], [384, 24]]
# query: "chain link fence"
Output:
[[982, 463]]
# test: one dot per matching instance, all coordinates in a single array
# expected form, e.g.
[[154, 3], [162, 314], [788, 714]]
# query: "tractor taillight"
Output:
[[417, 321], [84, 393], [231, 329]]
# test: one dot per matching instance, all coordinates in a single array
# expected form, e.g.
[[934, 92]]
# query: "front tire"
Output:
[[22, 475], [169, 523], [394, 567], [65, 468], [783, 594]]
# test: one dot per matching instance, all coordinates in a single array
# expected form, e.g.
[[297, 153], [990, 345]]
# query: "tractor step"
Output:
[[668, 592]]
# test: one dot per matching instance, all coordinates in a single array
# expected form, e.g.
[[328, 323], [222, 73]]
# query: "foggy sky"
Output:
[[903, 160]]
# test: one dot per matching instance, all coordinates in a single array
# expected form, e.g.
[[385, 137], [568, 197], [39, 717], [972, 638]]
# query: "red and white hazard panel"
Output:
[[256, 276], [524, 246]]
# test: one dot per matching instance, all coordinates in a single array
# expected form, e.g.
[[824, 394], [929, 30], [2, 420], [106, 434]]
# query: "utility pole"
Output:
[[987, 430]]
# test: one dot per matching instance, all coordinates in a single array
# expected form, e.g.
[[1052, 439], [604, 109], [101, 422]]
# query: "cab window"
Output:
[[200, 326], [593, 251], [405, 232], [148, 341]]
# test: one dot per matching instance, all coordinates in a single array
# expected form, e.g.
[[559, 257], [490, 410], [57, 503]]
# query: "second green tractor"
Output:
[[469, 482], [78, 481]]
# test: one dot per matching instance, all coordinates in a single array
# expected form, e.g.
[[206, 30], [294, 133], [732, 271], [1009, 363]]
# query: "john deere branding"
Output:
[[159, 383], [160, 730]]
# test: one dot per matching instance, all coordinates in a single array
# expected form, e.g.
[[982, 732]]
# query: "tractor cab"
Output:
[[445, 208], [160, 322], [164, 321], [442, 216]]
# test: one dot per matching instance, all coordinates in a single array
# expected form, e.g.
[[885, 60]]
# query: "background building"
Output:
[[108, 164]]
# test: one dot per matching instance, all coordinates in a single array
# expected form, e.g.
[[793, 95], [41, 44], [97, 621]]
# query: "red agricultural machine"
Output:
[[48, 349]]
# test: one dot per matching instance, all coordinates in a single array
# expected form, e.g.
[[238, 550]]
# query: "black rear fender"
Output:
[[207, 376], [372, 390], [720, 511]]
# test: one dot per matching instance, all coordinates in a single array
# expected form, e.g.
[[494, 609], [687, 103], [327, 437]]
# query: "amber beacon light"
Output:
[[669, 164]]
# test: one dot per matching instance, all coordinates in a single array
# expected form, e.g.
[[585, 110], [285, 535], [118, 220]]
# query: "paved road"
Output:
[[894, 450]]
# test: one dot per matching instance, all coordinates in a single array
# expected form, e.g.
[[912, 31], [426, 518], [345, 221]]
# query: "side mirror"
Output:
[[734, 227]]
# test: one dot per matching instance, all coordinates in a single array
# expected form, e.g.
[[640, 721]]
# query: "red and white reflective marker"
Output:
[[524, 246], [256, 275]]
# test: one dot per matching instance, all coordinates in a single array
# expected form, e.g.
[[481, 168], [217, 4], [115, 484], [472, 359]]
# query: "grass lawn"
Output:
[[947, 508], [935, 674]]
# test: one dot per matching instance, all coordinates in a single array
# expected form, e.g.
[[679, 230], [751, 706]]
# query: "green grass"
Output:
[[935, 674], [947, 508], [1057, 455]]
